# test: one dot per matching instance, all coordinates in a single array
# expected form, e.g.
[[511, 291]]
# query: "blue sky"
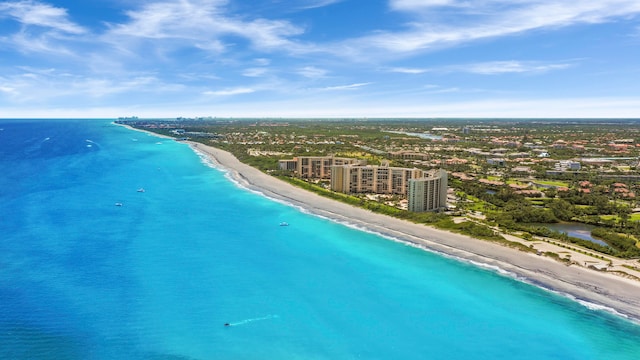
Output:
[[320, 58]]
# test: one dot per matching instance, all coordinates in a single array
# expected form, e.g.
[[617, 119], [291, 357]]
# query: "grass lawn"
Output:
[[552, 183], [517, 182], [632, 217]]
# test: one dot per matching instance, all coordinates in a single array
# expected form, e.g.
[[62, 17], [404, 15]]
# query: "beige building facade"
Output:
[[428, 193], [372, 179], [315, 167]]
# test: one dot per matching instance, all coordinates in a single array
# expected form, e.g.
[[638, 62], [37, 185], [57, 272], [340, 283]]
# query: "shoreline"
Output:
[[600, 290]]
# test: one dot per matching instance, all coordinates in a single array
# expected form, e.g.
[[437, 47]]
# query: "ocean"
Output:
[[159, 276]]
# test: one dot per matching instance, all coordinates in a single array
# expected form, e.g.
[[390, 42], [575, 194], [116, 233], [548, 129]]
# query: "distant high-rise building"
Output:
[[428, 193]]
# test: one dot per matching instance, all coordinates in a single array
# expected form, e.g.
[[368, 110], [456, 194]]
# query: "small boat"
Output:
[[118, 204], [141, 190], [284, 224]]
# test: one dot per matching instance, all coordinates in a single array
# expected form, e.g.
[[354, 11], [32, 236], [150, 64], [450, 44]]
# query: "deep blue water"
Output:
[[157, 277]]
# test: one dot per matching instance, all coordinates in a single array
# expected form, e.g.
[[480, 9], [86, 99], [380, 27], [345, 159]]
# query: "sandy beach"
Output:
[[601, 289]]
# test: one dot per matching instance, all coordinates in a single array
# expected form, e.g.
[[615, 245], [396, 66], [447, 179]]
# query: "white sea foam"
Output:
[[591, 305], [91, 143], [207, 160]]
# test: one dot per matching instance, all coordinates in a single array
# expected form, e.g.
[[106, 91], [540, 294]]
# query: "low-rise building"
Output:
[[496, 161], [567, 165]]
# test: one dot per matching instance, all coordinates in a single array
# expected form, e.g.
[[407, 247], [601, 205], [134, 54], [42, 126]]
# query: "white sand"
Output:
[[601, 289]]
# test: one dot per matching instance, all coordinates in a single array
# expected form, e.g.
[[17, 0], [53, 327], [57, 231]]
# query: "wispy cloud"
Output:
[[505, 67], [479, 19], [444, 90], [43, 28], [346, 87], [8, 90], [40, 86], [413, 5], [312, 72], [408, 70], [255, 72], [229, 92], [33, 13], [490, 68], [313, 4], [200, 22]]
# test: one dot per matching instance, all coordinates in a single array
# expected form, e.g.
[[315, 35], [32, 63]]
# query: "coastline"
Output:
[[600, 289], [594, 289]]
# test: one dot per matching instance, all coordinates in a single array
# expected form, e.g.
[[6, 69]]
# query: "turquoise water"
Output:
[[159, 276]]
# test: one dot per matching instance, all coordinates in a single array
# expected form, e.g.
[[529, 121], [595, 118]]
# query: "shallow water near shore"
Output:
[[161, 275]]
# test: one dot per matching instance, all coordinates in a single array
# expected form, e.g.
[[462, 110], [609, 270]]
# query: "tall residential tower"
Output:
[[428, 193]]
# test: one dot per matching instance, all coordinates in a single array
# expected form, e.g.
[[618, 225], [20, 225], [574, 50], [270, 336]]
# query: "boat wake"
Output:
[[244, 322]]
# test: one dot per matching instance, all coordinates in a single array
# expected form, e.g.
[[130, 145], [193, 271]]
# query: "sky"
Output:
[[320, 58]]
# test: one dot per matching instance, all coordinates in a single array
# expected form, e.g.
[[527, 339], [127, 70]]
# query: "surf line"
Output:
[[246, 321]]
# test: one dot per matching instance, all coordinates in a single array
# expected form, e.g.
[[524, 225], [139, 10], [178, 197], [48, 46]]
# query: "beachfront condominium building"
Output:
[[372, 179], [428, 193], [315, 167]]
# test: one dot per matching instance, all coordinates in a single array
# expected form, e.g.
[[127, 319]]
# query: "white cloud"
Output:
[[418, 4], [200, 22], [229, 92], [503, 67], [408, 70], [43, 28], [346, 87], [33, 13], [39, 87], [8, 90], [255, 72], [444, 90], [314, 4], [479, 19], [312, 72], [490, 68], [28, 43]]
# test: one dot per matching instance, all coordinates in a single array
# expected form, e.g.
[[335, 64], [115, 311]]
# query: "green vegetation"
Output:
[[600, 193], [624, 245]]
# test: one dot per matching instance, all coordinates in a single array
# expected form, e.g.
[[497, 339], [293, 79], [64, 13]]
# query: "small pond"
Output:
[[578, 230]]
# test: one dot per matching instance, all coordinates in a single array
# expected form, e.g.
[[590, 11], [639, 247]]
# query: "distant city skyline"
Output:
[[320, 58]]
